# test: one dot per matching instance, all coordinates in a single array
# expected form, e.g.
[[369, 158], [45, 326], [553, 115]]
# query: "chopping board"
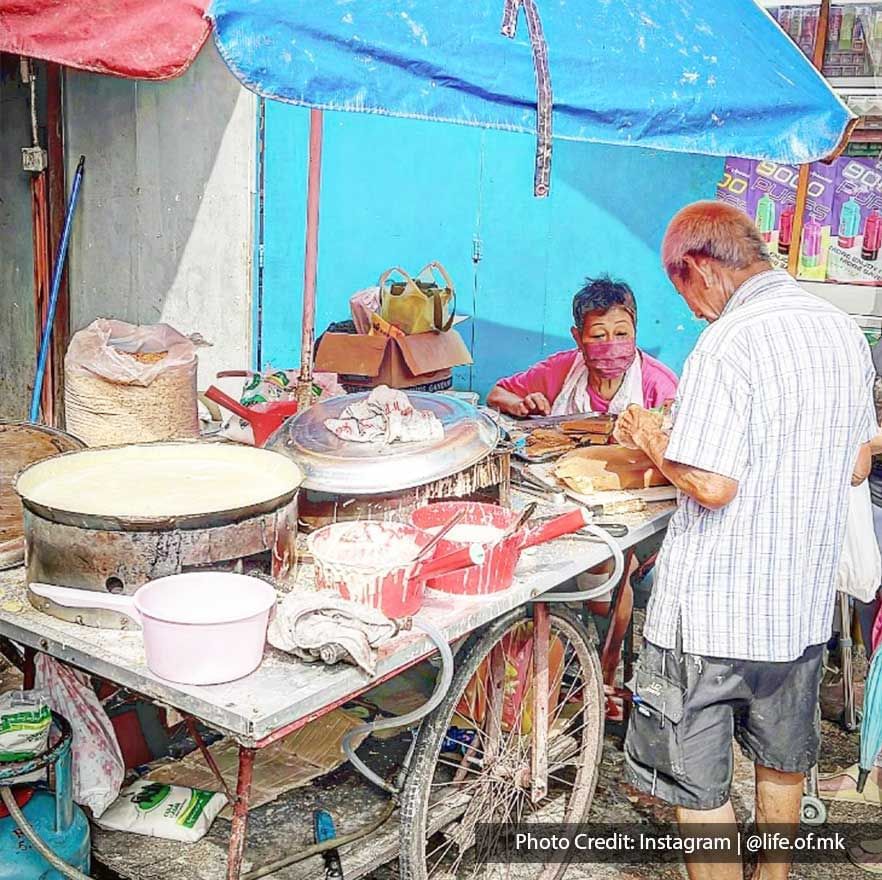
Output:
[[21, 444], [608, 468], [611, 500]]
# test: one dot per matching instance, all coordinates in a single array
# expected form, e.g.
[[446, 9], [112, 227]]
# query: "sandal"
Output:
[[871, 794], [867, 856]]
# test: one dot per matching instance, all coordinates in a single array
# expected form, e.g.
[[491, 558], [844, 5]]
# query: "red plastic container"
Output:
[[265, 418], [395, 588], [496, 573]]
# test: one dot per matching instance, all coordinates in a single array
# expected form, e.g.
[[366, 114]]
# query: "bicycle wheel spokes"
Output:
[[461, 808]]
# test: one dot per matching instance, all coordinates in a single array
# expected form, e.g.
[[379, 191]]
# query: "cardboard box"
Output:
[[399, 363]]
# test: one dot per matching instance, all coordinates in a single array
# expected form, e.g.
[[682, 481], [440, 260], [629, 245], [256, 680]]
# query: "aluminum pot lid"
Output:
[[343, 467]]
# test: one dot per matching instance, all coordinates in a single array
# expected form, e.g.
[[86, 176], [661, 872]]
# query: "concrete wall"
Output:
[[163, 232], [17, 347]]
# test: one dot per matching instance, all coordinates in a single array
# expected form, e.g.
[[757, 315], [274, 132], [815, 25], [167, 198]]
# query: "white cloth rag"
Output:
[[322, 625], [574, 398], [387, 416]]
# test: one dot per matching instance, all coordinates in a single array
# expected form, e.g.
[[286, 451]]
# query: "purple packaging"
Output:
[[859, 179]]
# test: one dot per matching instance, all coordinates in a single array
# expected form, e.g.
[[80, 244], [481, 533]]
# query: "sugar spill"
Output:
[[367, 545], [470, 533]]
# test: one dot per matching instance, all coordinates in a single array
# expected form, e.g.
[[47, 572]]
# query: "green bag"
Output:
[[418, 305]]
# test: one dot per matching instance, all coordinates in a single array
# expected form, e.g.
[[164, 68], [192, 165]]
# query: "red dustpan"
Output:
[[263, 421]]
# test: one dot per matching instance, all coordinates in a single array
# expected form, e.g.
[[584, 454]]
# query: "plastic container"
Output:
[[372, 562], [501, 556], [199, 627]]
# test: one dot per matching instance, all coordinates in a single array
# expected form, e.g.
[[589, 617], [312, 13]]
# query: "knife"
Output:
[[545, 421]]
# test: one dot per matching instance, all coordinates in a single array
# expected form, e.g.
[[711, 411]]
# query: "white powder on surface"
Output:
[[470, 533]]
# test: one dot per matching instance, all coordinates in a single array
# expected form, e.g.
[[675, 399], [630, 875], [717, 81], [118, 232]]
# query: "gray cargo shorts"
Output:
[[687, 709]]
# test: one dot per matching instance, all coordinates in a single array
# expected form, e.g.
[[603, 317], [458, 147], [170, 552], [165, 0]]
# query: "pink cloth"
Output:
[[548, 377]]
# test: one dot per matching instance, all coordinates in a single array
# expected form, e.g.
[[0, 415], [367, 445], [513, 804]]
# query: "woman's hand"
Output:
[[519, 407], [535, 403]]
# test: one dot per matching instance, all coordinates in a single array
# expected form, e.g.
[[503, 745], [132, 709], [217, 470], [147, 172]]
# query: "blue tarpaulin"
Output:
[[702, 76]]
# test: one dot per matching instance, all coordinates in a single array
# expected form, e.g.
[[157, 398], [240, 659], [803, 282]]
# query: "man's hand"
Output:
[[862, 466], [634, 426], [638, 428]]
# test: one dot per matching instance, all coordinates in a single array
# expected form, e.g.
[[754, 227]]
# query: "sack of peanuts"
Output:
[[125, 383]]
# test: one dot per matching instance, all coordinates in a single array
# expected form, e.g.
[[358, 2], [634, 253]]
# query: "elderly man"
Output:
[[772, 417]]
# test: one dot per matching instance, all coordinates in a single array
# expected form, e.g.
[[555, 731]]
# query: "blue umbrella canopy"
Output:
[[702, 76]]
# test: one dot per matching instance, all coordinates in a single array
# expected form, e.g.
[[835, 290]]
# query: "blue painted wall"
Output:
[[401, 192]]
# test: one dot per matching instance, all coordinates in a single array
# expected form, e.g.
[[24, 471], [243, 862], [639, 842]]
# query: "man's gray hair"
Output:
[[716, 231]]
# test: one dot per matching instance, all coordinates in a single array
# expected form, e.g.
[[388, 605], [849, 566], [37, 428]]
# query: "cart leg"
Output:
[[539, 768], [620, 618], [239, 825]]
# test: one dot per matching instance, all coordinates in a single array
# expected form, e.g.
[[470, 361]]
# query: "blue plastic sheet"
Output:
[[703, 76]]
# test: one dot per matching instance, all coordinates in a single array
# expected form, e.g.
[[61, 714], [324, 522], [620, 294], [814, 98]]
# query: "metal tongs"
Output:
[[526, 482]]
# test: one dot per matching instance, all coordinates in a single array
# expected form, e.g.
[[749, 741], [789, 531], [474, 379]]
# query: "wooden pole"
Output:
[[313, 189], [803, 180]]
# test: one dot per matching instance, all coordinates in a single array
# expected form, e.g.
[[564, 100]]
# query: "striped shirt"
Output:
[[777, 394]]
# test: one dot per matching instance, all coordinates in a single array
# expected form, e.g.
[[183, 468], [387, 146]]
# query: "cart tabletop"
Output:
[[285, 693]]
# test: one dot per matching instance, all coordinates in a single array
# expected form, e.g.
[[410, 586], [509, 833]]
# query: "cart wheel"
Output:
[[484, 773], [813, 811]]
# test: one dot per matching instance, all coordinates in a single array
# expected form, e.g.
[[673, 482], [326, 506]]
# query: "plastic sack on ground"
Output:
[[860, 566], [171, 812], [126, 383], [25, 720], [98, 767]]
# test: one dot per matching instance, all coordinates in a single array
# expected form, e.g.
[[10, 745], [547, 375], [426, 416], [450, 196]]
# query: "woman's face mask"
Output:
[[610, 359], [607, 342]]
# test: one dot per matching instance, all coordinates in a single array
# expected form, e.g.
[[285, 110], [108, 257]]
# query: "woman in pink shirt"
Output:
[[605, 373]]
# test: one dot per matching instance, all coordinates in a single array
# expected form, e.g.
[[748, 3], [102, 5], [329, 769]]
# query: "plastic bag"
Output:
[[124, 383], [363, 304], [107, 349], [25, 720], [98, 767], [418, 305], [170, 812], [860, 566], [271, 387]]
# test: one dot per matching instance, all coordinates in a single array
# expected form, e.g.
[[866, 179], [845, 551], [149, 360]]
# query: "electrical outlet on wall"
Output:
[[33, 159]]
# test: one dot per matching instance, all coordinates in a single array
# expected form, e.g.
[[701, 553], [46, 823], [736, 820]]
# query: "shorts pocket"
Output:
[[654, 734]]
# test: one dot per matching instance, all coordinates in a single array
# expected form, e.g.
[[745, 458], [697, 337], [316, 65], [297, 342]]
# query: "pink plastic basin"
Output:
[[199, 627]]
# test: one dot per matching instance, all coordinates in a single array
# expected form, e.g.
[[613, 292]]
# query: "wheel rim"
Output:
[[493, 775]]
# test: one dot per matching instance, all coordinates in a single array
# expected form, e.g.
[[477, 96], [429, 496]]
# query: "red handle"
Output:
[[564, 524], [462, 558], [214, 393]]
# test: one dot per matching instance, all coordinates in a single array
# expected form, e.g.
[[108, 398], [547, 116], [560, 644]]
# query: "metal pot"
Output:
[[78, 545]]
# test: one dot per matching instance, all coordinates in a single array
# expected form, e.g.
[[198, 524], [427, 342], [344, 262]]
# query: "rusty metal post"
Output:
[[57, 206], [239, 824], [310, 265], [541, 688]]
